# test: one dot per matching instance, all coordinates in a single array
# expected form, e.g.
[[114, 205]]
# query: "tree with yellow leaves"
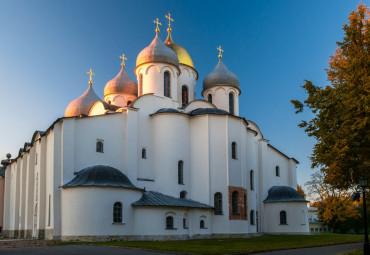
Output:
[[334, 205]]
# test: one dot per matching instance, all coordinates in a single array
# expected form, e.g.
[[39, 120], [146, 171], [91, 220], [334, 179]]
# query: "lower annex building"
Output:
[[150, 161]]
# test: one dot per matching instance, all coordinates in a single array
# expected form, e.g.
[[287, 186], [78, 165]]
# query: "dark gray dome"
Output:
[[99, 175], [283, 194], [200, 111], [220, 76]]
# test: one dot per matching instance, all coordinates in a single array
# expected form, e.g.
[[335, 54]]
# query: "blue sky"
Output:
[[46, 48]]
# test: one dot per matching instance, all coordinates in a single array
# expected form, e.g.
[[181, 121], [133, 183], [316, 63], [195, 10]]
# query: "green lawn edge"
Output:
[[234, 245]]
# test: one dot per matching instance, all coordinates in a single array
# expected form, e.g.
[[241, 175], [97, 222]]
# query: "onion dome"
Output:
[[220, 76], [182, 54], [121, 83], [157, 52], [82, 105]]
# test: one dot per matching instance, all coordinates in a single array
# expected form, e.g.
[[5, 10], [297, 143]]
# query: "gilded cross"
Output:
[[123, 59], [220, 51], [158, 23], [169, 19], [91, 74]]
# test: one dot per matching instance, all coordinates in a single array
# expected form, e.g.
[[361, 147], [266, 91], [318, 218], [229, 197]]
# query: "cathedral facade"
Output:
[[149, 161]]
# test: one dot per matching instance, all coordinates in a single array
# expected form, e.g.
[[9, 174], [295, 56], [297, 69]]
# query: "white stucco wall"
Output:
[[296, 216], [88, 211]]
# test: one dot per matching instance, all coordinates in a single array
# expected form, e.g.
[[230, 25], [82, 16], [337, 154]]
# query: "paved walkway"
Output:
[[323, 250]]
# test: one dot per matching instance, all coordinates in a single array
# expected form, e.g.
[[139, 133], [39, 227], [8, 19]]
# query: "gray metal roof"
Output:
[[200, 111], [283, 194], [152, 198], [220, 76], [167, 110], [103, 176]]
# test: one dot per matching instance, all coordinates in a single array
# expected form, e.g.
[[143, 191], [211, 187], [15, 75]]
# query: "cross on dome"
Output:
[[158, 23], [91, 74], [169, 21], [220, 51], [123, 59]]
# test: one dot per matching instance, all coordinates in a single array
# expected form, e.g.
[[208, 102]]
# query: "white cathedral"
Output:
[[152, 162]]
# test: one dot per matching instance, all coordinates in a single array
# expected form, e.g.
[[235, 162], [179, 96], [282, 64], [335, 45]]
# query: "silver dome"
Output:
[[121, 84], [220, 76], [82, 104], [157, 51]]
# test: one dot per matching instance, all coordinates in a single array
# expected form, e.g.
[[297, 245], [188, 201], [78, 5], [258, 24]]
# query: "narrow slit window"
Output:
[[283, 218], [233, 150], [100, 146], [185, 95], [218, 203], [180, 172], [140, 84], [277, 171], [143, 153], [252, 217], [251, 177], [117, 212], [169, 222], [167, 84], [210, 98], [234, 200], [201, 223], [231, 103]]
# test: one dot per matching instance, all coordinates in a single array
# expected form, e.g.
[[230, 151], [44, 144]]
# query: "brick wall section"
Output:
[[242, 204]]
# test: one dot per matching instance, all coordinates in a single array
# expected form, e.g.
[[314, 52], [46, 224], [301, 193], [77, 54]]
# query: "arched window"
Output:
[[100, 146], [117, 212], [143, 153], [140, 84], [201, 223], [185, 95], [234, 198], [210, 98], [167, 84], [218, 203], [231, 103], [109, 101], [277, 171], [251, 179], [283, 218], [233, 150], [180, 172], [183, 194], [169, 222], [128, 103], [252, 217]]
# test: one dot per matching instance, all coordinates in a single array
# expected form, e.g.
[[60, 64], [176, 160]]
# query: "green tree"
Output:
[[341, 110]]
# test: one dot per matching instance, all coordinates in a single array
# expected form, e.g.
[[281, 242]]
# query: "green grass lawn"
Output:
[[237, 245]]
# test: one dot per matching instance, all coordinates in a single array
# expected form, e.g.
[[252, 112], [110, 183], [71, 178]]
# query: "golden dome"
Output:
[[182, 54]]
